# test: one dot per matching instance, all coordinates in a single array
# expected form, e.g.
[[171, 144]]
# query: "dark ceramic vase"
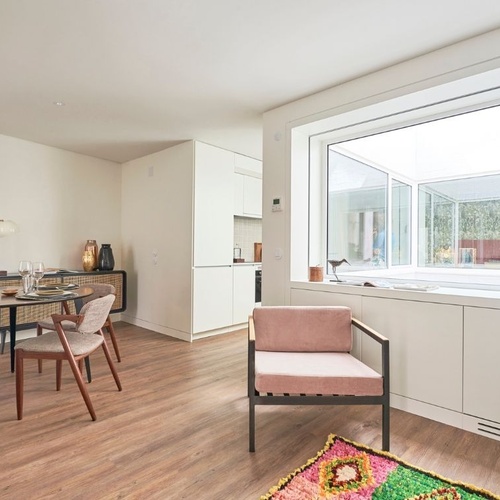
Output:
[[106, 260]]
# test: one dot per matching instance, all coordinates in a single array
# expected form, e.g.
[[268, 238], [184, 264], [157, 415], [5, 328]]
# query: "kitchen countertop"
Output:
[[247, 263]]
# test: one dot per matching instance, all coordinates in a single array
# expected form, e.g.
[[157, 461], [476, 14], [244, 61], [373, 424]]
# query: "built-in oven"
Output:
[[258, 284]]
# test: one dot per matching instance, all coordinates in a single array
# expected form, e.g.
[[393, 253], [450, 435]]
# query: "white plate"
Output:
[[36, 296], [58, 286]]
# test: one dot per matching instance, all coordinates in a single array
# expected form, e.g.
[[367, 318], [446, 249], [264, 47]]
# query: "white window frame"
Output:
[[435, 103]]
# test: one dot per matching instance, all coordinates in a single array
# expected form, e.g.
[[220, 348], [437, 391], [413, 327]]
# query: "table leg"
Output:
[[12, 317]]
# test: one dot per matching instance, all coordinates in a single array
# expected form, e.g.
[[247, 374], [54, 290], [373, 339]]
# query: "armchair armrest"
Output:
[[384, 344], [251, 356], [251, 329], [369, 331]]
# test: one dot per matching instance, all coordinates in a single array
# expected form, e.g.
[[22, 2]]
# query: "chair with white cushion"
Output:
[[301, 356], [72, 346]]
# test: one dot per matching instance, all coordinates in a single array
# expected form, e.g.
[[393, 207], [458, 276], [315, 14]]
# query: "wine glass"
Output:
[[25, 270], [38, 272]]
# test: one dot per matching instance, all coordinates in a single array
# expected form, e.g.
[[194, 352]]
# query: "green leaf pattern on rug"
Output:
[[407, 483]]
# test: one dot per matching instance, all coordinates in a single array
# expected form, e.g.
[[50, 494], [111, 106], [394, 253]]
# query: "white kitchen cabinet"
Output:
[[213, 199], [247, 196], [212, 298], [481, 367], [243, 292], [252, 196], [239, 193], [247, 165]]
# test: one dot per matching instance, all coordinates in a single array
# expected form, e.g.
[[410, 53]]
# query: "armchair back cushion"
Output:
[[303, 329]]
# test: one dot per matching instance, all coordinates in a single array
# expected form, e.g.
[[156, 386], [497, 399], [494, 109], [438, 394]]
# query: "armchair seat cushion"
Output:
[[315, 373]]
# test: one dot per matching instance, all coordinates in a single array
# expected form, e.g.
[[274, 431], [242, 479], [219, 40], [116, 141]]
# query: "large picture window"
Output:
[[370, 203]]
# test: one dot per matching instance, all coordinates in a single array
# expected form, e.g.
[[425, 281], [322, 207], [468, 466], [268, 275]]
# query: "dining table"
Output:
[[26, 300]]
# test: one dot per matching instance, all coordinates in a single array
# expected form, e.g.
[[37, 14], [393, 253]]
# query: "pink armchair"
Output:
[[301, 356]]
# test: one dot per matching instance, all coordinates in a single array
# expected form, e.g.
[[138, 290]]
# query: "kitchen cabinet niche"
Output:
[[243, 292]]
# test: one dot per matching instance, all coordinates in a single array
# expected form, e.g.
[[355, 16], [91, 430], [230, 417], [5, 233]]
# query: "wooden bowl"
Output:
[[9, 291]]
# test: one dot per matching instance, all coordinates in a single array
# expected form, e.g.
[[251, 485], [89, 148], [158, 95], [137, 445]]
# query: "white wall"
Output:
[[461, 60], [157, 217], [59, 200]]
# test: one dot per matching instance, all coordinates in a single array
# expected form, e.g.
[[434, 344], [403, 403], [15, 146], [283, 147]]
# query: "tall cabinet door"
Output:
[[481, 367], [243, 292], [212, 298], [213, 206]]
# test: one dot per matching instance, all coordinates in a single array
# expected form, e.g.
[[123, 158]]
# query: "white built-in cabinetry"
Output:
[[212, 238], [247, 187], [481, 366], [179, 238], [444, 348], [426, 348], [212, 298], [223, 294], [213, 197]]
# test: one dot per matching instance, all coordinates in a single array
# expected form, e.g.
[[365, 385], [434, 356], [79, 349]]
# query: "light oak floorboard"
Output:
[[179, 429]]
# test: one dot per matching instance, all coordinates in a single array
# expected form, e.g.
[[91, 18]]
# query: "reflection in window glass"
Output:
[[357, 208], [459, 222], [401, 217]]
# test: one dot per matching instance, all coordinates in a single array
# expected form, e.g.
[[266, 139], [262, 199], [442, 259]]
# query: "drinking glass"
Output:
[[38, 272], [25, 270]]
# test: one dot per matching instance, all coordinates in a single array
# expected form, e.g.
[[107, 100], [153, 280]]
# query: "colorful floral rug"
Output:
[[346, 470]]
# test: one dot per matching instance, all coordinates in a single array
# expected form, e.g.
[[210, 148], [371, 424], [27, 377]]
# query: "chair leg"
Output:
[[88, 370], [385, 426], [111, 364], [112, 335], [251, 421], [3, 333], [19, 383], [39, 331], [58, 374], [81, 385]]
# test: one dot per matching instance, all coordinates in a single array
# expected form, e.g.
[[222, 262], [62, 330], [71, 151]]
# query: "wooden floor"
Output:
[[179, 429]]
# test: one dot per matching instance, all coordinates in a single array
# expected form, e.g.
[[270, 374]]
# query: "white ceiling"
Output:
[[138, 76]]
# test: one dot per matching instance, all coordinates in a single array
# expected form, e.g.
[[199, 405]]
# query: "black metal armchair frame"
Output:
[[256, 398]]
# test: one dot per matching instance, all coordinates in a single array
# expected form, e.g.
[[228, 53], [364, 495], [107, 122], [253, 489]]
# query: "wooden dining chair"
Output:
[[71, 345], [100, 290]]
